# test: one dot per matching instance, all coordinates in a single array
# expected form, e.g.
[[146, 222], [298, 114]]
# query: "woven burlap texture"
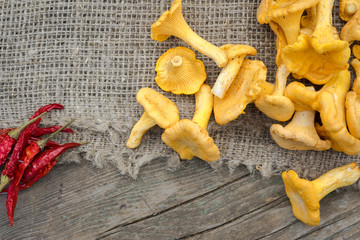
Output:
[[93, 56]]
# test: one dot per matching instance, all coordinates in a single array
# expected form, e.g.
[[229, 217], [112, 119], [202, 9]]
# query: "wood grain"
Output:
[[78, 201]]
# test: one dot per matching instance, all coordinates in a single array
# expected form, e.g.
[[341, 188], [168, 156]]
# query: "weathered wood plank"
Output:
[[79, 201], [232, 201], [278, 222]]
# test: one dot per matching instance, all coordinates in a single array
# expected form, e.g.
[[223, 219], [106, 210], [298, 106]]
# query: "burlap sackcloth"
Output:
[[93, 56]]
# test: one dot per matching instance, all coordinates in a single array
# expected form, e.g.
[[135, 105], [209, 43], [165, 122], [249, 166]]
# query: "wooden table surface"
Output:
[[77, 201]]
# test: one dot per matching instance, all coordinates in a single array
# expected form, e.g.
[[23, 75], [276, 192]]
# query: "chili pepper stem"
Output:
[[14, 134], [4, 182], [43, 142]]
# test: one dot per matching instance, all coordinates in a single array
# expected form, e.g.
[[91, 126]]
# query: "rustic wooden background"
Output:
[[77, 201]]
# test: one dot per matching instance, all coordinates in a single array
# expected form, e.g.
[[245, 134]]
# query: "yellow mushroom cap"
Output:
[[190, 140], [179, 72], [351, 30], [352, 105], [246, 86], [158, 107], [303, 197], [301, 58], [237, 50], [348, 8], [356, 51]]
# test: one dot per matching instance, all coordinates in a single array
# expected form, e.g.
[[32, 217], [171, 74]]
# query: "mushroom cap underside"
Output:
[[185, 78], [303, 197]]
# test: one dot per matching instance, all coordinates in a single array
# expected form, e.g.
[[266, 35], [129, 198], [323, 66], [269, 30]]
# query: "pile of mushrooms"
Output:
[[308, 47]]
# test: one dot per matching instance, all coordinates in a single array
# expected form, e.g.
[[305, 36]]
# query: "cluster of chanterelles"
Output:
[[308, 46]]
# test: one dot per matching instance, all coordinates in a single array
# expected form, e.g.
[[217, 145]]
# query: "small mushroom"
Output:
[[356, 51], [172, 22], [300, 133], [247, 85], [352, 103], [351, 30], [276, 105], [189, 138], [286, 13], [305, 195], [158, 110], [179, 72], [348, 8], [236, 55]]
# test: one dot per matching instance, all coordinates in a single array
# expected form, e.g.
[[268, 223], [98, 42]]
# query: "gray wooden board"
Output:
[[77, 201]]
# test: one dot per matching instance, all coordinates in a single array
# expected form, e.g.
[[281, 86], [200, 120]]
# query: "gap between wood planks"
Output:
[[109, 233]]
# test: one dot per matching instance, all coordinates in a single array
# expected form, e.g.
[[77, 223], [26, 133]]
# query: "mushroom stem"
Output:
[[266, 87], [356, 65], [226, 77], [204, 102], [177, 61], [336, 178], [139, 129], [281, 79], [303, 97], [172, 22], [350, 8]]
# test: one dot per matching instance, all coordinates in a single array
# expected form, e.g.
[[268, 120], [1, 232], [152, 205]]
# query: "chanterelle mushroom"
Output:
[[319, 56], [179, 72], [348, 8], [286, 13], [305, 195], [352, 103], [158, 109], [190, 138], [300, 133], [276, 105], [247, 85], [351, 30], [236, 55], [330, 102], [172, 22]]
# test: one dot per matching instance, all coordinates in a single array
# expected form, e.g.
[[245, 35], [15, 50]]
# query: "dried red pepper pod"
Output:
[[9, 138], [11, 166], [42, 173], [47, 108], [11, 199], [38, 132], [44, 158], [32, 150], [49, 144]]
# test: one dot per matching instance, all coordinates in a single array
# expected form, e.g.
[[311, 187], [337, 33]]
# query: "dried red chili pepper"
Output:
[[44, 158], [49, 144], [9, 138], [38, 132], [47, 108], [11, 199], [43, 172], [30, 152], [11, 166]]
